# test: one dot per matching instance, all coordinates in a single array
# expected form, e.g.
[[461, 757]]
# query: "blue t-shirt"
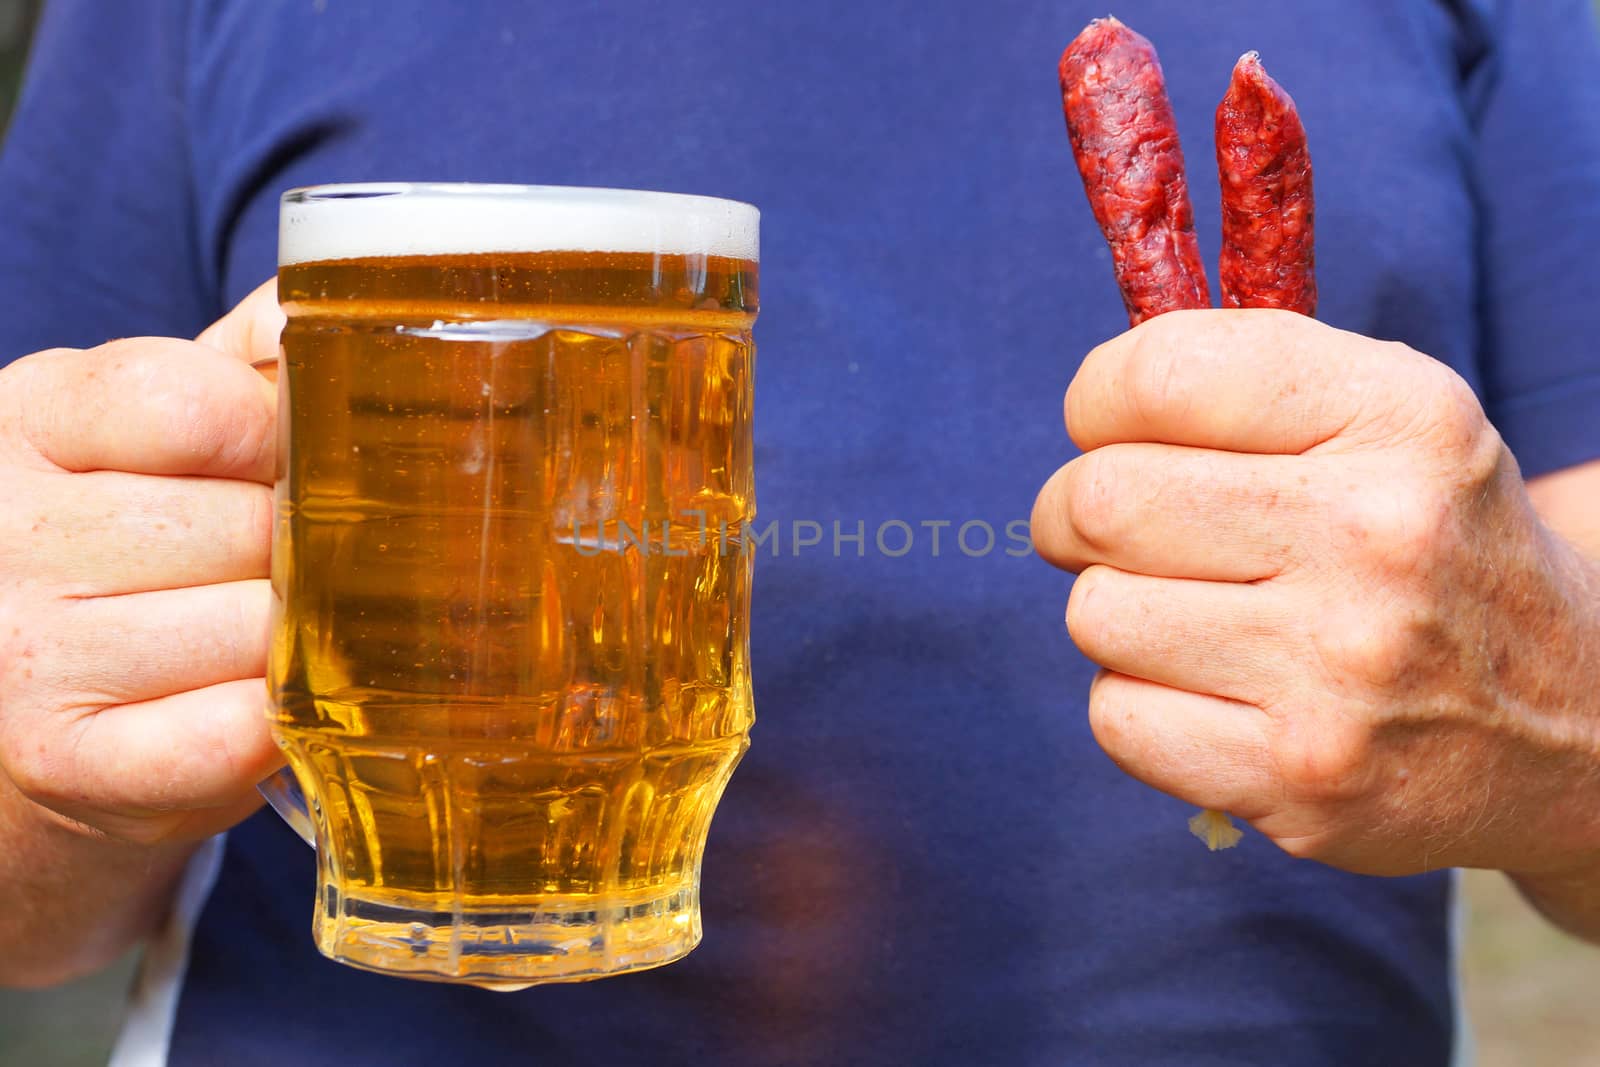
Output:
[[924, 858]]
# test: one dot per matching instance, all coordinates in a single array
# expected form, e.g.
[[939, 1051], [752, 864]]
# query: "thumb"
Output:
[[250, 331]]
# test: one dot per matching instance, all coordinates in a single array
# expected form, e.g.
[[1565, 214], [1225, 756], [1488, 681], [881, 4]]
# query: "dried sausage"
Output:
[[1268, 258], [1125, 140]]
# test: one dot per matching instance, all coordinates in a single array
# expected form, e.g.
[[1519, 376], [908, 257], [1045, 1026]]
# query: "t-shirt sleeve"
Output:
[[1537, 104], [96, 231]]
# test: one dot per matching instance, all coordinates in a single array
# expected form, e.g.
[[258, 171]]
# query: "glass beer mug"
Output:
[[509, 663]]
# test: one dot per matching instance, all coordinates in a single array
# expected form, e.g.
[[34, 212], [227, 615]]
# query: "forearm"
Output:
[[73, 901], [1571, 902], [1567, 503]]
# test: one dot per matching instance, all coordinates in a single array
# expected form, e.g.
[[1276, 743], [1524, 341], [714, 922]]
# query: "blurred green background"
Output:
[[1531, 992], [16, 24]]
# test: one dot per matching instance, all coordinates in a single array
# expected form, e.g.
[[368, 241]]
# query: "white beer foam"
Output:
[[403, 219]]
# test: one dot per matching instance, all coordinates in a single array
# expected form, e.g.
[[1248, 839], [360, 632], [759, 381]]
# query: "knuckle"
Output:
[[1083, 605], [1485, 464], [1153, 384], [1109, 716], [1092, 501], [1071, 416], [1398, 528], [1441, 412], [33, 767], [241, 440], [43, 378], [254, 530], [180, 403], [1464, 442], [250, 439], [167, 379], [1366, 648], [1400, 353], [45, 363], [1457, 416], [1325, 760]]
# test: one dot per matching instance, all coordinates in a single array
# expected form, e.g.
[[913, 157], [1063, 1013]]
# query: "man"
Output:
[[1311, 569]]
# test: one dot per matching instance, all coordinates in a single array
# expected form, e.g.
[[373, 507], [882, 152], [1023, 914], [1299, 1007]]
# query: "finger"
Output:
[[202, 749], [1255, 380], [1173, 512], [1211, 752], [129, 533], [164, 827], [1220, 638], [124, 649], [150, 405], [203, 822], [250, 332]]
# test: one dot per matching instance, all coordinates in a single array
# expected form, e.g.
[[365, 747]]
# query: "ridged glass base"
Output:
[[508, 950]]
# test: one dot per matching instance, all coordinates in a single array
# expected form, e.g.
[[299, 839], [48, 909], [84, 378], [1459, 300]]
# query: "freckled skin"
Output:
[[1268, 256], [1125, 140]]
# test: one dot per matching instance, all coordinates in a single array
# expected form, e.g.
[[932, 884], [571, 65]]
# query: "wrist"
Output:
[[1562, 708], [1528, 792], [75, 899]]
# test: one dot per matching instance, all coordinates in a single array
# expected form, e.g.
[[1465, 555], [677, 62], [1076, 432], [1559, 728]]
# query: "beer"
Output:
[[510, 663]]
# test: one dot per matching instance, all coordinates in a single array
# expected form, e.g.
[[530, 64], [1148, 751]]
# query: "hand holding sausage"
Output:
[[1323, 601], [1125, 141]]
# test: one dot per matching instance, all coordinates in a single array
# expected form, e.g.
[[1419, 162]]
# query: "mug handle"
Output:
[[282, 791]]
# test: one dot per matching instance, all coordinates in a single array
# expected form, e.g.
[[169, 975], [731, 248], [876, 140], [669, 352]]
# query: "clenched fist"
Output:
[[1323, 602], [134, 542]]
